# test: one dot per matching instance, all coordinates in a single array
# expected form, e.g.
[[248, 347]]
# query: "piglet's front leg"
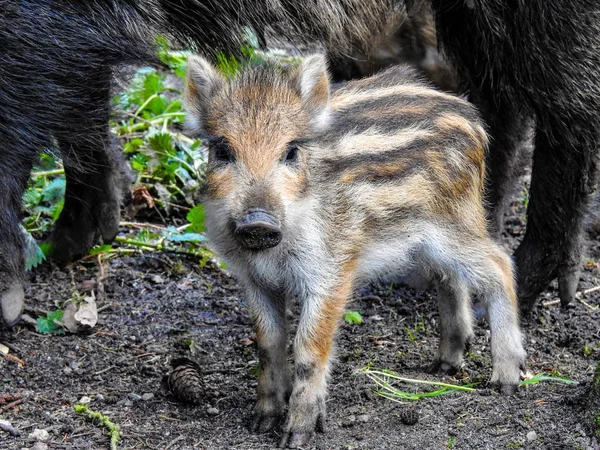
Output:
[[312, 351], [274, 384]]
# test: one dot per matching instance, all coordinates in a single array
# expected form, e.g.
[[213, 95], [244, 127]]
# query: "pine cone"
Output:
[[185, 381], [409, 416]]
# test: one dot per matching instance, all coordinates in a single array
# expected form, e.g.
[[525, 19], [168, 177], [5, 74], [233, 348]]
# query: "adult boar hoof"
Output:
[[568, 280], [12, 301]]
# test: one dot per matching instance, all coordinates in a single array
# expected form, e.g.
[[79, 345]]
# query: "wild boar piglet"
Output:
[[311, 191]]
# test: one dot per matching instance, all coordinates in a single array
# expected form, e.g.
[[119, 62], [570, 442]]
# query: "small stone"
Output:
[[157, 279], [349, 422], [68, 371], [100, 398], [74, 365], [39, 446], [531, 436], [134, 397], [148, 396], [212, 411], [364, 418], [84, 400], [28, 319], [39, 435], [7, 426], [128, 403]]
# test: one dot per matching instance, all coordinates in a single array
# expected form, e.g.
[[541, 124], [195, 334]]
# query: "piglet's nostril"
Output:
[[258, 230]]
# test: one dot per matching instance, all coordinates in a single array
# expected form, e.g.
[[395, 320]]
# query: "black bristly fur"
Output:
[[524, 62]]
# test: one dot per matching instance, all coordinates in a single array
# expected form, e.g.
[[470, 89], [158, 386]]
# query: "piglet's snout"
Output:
[[258, 230]]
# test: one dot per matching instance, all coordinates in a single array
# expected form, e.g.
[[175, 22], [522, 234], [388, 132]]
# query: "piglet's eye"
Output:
[[222, 151], [291, 155]]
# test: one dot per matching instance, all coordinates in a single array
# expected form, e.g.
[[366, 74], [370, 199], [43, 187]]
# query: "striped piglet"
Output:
[[311, 191]]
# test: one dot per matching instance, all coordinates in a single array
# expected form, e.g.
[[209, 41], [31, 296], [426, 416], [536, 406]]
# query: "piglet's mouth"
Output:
[[258, 230]]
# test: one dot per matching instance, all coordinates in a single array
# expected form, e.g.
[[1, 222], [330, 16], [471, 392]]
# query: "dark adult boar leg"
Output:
[[15, 165], [511, 132], [561, 183], [95, 181], [274, 384], [312, 350]]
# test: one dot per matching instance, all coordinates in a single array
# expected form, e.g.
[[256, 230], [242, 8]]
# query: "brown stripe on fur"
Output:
[[457, 124], [375, 141], [295, 185], [350, 97], [332, 309], [505, 265], [219, 183], [376, 172]]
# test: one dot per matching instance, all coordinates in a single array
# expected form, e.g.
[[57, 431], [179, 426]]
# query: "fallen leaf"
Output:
[[88, 312], [69, 317]]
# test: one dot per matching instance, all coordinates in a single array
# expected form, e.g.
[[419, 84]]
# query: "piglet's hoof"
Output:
[[295, 440], [508, 389], [263, 424], [12, 301], [441, 368]]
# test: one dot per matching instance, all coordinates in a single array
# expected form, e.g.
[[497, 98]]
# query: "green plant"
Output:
[[542, 376], [353, 317], [451, 441], [51, 323], [169, 163], [113, 429], [386, 379]]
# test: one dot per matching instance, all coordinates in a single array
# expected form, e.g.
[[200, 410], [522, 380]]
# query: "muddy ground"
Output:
[[155, 305]]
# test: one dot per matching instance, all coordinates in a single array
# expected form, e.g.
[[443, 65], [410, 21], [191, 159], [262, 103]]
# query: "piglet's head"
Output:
[[257, 124]]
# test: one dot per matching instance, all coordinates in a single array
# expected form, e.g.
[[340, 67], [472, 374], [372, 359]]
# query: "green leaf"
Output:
[[46, 248], [31, 198], [48, 325], [54, 191], [353, 317], [139, 162], [100, 249], [133, 146], [33, 253], [162, 142], [57, 209], [196, 218]]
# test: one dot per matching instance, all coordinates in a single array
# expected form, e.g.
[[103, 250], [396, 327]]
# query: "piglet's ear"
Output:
[[312, 83], [203, 81]]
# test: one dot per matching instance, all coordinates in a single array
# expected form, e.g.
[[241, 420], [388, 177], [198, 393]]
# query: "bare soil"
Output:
[[156, 305]]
